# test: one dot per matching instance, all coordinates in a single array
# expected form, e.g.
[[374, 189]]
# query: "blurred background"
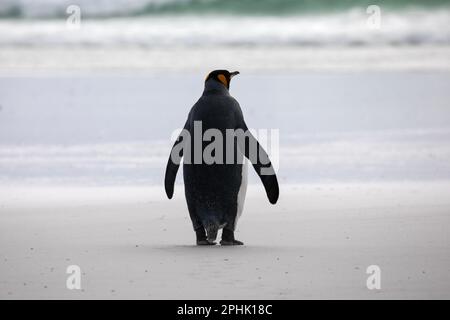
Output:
[[201, 34], [91, 91]]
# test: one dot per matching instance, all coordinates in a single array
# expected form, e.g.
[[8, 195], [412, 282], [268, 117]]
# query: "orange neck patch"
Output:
[[223, 79]]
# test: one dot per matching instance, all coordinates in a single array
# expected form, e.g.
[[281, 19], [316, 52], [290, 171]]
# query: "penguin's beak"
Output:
[[232, 74]]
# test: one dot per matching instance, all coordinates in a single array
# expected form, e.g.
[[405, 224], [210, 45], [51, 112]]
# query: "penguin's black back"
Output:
[[211, 189]]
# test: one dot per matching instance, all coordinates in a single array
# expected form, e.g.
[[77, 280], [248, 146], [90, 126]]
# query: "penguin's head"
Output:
[[222, 76]]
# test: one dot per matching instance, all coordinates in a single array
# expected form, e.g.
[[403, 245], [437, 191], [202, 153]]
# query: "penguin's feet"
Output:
[[231, 243], [228, 239], [205, 243], [201, 238]]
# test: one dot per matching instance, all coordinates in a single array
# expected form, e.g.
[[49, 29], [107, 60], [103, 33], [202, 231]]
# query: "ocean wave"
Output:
[[350, 28], [123, 8]]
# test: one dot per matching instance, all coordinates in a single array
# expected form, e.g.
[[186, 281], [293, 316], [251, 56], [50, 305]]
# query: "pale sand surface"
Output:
[[131, 242]]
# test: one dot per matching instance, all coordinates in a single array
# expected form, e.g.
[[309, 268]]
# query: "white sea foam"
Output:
[[412, 27]]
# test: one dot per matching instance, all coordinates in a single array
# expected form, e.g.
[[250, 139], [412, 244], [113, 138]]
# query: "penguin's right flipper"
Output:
[[261, 163], [172, 167]]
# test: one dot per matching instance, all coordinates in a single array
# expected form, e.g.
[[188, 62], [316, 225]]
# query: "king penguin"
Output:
[[215, 190]]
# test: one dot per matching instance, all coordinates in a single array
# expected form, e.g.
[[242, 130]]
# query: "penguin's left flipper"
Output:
[[261, 163]]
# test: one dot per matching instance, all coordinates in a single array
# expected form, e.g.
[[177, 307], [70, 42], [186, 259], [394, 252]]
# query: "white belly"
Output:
[[242, 192]]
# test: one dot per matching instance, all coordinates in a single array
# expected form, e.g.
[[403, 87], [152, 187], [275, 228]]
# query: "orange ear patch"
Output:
[[223, 79]]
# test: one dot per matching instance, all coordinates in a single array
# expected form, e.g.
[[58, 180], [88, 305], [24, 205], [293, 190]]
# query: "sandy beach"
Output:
[[316, 243]]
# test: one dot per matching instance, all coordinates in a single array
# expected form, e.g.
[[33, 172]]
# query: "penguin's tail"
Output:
[[211, 230]]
